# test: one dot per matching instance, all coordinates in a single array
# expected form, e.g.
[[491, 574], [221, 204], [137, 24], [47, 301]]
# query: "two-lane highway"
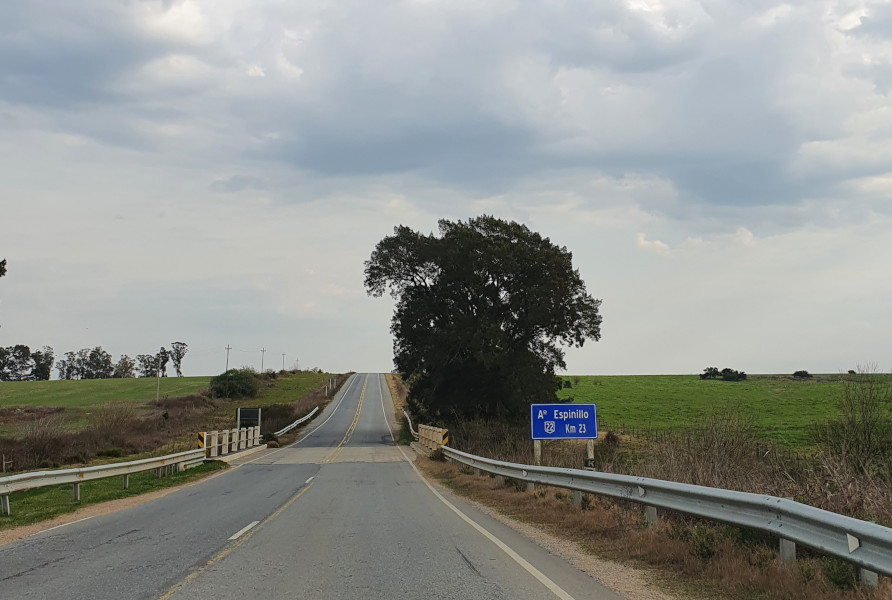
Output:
[[339, 514]]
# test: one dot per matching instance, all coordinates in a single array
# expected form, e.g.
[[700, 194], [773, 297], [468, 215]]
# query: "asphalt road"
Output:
[[339, 514]]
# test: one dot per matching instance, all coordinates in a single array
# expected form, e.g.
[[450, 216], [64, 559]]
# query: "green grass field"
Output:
[[783, 408], [80, 397], [87, 393]]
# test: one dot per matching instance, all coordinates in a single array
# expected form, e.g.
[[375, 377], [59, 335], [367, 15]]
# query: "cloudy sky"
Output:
[[216, 172]]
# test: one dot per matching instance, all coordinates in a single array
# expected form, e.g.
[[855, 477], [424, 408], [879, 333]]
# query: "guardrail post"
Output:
[[577, 498], [233, 444], [76, 492], [787, 551], [214, 442], [242, 438], [257, 435], [126, 481], [4, 505], [868, 578], [651, 516]]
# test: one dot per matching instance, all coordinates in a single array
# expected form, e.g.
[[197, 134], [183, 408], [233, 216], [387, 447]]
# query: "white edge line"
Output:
[[386, 420], [66, 524], [243, 530], [543, 579]]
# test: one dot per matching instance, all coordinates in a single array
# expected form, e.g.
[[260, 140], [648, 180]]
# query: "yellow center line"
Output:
[[337, 451], [223, 553]]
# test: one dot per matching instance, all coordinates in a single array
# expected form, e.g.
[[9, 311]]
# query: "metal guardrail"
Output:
[[865, 544], [411, 429], [285, 430], [36, 479]]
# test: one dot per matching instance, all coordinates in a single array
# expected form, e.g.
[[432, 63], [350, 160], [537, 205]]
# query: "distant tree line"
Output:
[[18, 363], [725, 374], [96, 363]]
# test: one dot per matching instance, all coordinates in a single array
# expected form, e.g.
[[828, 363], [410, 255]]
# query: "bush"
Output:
[[235, 383], [802, 374], [862, 435], [732, 375]]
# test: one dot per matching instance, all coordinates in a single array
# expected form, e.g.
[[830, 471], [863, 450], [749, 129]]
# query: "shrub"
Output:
[[802, 374], [862, 435], [710, 373], [732, 375], [838, 572], [270, 437], [235, 383]]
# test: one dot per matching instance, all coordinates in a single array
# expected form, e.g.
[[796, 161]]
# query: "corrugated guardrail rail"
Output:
[[411, 429], [865, 544], [36, 479], [288, 428]]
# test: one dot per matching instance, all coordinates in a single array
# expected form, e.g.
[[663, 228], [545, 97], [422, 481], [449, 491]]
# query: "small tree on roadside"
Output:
[[802, 374]]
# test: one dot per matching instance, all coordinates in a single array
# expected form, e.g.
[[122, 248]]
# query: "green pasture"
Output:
[[93, 392], [783, 407]]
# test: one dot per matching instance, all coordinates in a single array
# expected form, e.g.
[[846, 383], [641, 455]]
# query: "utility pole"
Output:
[[158, 373], [283, 361], [262, 354], [228, 348]]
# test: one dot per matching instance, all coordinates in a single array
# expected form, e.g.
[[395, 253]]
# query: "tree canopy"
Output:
[[482, 312]]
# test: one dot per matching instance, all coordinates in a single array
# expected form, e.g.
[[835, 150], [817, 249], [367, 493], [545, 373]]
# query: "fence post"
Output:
[[233, 440], [224, 447], [257, 435]]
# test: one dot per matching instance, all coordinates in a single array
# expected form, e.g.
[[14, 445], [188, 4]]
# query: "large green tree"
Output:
[[482, 312]]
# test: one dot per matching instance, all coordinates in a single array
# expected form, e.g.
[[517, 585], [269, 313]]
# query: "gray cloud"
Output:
[[238, 183]]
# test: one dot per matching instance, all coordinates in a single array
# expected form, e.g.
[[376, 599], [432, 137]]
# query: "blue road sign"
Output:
[[563, 421]]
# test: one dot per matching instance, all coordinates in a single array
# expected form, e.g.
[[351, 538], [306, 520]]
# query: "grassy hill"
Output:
[[783, 407], [86, 393], [78, 398]]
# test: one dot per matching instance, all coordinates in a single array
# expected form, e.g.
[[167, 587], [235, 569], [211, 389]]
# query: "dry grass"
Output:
[[715, 560], [398, 390], [721, 451]]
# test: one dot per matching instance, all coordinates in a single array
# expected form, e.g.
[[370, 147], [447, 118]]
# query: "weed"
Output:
[[838, 572]]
